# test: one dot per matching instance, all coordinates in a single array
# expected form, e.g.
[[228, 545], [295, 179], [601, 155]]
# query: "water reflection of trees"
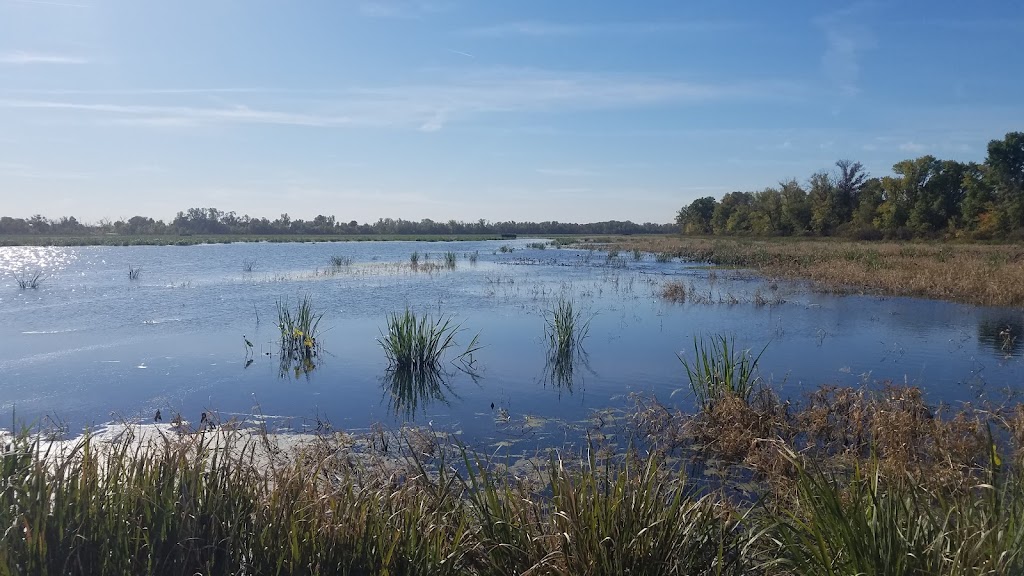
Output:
[[411, 391], [1004, 335]]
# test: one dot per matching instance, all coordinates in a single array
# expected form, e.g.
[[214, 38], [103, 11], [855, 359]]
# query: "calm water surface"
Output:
[[90, 346]]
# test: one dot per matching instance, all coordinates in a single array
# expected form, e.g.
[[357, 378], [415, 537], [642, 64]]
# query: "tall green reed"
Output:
[[718, 368], [419, 342]]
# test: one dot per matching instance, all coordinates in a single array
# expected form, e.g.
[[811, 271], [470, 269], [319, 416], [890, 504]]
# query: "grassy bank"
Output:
[[974, 273], [177, 240]]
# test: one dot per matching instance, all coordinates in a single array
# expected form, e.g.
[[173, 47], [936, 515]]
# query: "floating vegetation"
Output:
[[299, 336], [505, 249], [449, 259], [133, 272], [248, 265], [718, 370], [339, 261], [26, 282]]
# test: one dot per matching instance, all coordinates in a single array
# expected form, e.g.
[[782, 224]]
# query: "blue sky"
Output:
[[526, 110]]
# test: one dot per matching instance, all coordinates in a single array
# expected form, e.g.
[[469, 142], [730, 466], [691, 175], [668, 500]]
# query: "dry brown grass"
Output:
[[674, 292], [839, 428], [991, 275]]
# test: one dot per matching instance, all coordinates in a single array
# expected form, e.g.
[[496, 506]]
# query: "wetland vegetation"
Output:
[[845, 481], [713, 464]]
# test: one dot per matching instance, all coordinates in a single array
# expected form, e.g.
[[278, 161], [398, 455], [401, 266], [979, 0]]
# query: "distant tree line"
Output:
[[211, 221], [926, 197]]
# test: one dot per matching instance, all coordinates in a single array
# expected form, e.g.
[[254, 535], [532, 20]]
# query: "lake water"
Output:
[[90, 346]]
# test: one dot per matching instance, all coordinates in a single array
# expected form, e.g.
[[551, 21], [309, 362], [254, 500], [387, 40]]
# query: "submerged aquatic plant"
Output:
[[719, 369], [419, 342]]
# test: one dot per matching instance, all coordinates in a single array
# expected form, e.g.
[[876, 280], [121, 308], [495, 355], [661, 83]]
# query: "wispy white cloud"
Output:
[[569, 172], [21, 58], [541, 28], [28, 172], [452, 96], [49, 3], [400, 9], [460, 53], [912, 147], [845, 40], [181, 115]]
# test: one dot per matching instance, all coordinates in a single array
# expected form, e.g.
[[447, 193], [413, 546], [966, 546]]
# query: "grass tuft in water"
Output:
[[339, 261], [414, 259], [26, 282], [565, 330], [248, 265], [134, 271], [474, 256], [418, 342], [299, 330], [450, 259], [718, 369]]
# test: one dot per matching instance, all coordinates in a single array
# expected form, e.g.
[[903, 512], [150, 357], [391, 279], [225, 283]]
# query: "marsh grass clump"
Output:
[[133, 272], [663, 257], [565, 328], [418, 342], [29, 282], [674, 292], [718, 370], [505, 249], [414, 259], [450, 260], [870, 523], [299, 333], [537, 245], [339, 261], [474, 257], [638, 254], [248, 265]]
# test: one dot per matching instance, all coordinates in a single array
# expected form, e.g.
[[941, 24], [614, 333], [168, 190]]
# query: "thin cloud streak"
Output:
[[21, 58], [45, 3], [395, 9], [541, 28], [240, 114], [431, 107]]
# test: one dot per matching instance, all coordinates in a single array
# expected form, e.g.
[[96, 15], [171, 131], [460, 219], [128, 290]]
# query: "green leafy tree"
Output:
[[696, 218]]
